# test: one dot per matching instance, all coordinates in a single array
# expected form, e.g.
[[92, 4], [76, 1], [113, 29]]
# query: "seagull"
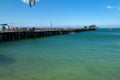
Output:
[[30, 2]]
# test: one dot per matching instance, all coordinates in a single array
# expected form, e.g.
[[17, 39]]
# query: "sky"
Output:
[[103, 13]]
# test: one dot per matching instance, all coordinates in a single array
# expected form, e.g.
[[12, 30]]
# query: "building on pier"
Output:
[[4, 27], [93, 27]]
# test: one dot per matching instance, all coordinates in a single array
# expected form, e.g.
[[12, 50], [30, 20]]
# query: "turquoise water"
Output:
[[82, 56]]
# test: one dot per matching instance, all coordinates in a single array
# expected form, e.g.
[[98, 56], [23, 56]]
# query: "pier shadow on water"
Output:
[[6, 60]]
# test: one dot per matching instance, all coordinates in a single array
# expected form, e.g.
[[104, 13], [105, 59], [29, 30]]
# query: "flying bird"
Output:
[[30, 2]]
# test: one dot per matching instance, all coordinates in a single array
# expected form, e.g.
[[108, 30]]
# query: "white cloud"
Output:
[[110, 7], [113, 7]]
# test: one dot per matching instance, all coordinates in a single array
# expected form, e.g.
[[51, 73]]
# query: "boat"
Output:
[[72, 33]]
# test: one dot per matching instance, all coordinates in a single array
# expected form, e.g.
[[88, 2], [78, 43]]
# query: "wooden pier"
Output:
[[19, 34]]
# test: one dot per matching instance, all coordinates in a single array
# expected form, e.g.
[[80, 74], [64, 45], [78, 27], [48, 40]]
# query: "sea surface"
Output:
[[93, 55]]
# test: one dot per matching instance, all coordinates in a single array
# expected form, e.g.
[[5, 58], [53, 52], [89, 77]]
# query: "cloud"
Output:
[[110, 7], [113, 7]]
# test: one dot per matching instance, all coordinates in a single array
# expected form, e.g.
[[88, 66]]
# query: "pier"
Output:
[[12, 34]]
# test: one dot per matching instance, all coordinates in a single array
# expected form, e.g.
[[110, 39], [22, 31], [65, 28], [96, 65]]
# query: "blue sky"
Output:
[[61, 12]]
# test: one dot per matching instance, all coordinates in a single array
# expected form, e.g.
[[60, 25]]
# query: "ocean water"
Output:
[[93, 55]]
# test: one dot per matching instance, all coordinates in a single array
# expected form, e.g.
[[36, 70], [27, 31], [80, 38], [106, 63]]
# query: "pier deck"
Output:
[[41, 32]]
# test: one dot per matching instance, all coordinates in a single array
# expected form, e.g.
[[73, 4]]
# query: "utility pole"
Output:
[[51, 24]]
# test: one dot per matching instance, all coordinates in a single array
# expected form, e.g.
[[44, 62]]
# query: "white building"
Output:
[[4, 27]]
